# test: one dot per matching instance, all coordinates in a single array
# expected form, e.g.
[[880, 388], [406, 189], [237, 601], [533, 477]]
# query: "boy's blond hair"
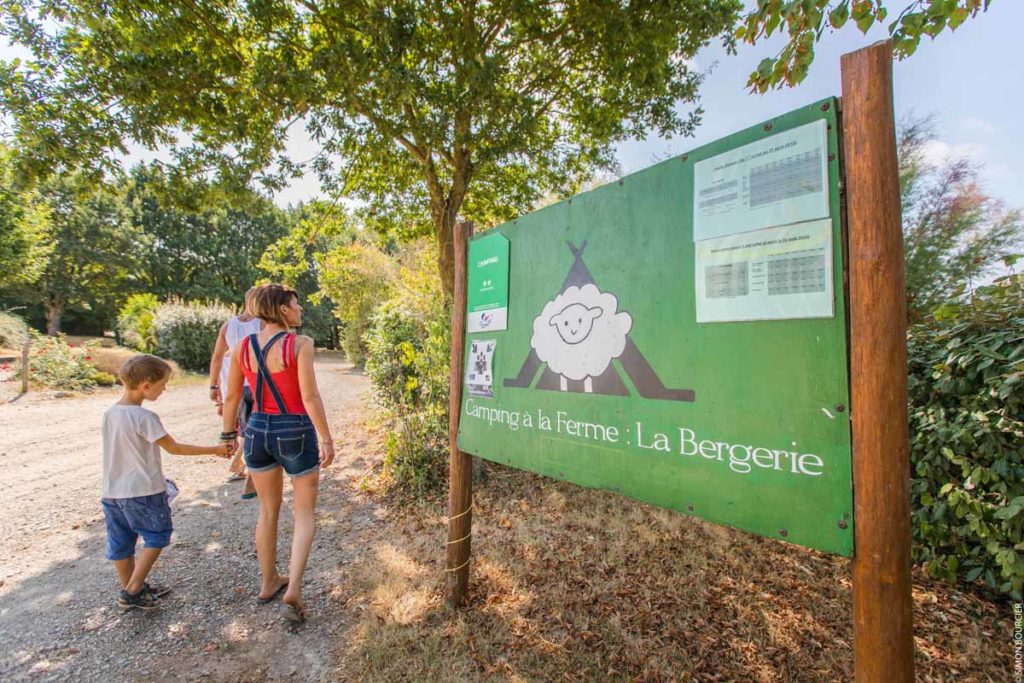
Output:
[[143, 368]]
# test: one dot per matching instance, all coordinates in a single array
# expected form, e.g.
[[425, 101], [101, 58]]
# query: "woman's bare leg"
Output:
[[268, 487], [304, 509]]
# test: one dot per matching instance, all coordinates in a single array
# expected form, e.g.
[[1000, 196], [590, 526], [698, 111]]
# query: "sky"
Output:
[[970, 80]]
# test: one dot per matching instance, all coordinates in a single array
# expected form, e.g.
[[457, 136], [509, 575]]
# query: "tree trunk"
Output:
[[54, 311], [444, 225]]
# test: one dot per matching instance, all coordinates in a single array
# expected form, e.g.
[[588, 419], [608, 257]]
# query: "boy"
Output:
[[134, 489]]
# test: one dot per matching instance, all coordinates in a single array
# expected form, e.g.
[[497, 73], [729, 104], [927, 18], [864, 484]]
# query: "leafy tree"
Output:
[[954, 233], [424, 111], [294, 259], [199, 246], [25, 244], [358, 277], [95, 251]]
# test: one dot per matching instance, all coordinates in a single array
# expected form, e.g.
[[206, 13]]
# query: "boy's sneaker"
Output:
[[156, 590], [143, 600]]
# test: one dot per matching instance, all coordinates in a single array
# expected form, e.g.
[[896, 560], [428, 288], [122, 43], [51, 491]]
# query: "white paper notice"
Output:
[[480, 368], [779, 180], [770, 274]]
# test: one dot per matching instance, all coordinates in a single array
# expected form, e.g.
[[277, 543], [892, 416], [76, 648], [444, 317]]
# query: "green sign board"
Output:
[[679, 337], [487, 294]]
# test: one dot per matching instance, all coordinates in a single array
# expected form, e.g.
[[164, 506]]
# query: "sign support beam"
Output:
[[882, 603], [460, 478]]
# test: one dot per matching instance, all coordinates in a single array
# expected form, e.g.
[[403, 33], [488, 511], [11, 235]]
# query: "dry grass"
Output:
[[579, 585], [111, 358]]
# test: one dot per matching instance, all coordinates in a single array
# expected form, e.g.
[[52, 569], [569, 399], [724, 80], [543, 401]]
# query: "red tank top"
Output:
[[286, 380]]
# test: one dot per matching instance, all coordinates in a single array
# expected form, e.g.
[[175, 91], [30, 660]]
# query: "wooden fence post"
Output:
[[460, 493], [883, 643], [25, 365]]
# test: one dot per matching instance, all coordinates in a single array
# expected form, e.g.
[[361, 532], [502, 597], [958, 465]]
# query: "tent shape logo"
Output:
[[576, 337]]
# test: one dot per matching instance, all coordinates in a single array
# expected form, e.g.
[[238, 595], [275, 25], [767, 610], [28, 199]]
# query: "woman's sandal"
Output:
[[280, 589], [293, 613]]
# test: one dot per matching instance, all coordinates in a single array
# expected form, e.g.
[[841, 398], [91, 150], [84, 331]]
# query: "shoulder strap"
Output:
[[264, 372]]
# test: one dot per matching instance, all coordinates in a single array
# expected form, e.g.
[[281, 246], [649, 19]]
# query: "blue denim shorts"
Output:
[[129, 518], [287, 441]]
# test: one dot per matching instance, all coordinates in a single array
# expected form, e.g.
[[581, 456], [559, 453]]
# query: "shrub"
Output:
[[55, 363], [13, 331], [135, 322], [358, 277], [967, 439], [186, 331], [407, 361]]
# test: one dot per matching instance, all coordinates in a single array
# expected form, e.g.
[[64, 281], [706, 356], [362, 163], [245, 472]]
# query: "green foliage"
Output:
[[135, 322], [407, 362], [186, 331], [954, 234], [805, 23], [95, 250], [25, 244], [13, 331], [103, 379], [294, 259], [199, 245], [358, 277], [419, 108], [56, 364], [967, 439]]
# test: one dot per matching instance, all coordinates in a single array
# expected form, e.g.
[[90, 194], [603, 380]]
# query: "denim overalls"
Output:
[[287, 440]]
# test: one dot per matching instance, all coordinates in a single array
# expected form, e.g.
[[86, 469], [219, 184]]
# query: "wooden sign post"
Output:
[[460, 493], [883, 642]]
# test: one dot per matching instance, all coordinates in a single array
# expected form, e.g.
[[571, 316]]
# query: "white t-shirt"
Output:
[[234, 332], [131, 458]]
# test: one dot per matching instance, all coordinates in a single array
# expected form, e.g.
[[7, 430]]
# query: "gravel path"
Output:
[[58, 620]]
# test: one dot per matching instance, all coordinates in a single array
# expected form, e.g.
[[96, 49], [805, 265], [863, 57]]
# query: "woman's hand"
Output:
[[227, 448], [326, 452]]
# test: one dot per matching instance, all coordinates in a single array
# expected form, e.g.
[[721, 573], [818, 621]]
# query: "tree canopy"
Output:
[[954, 233], [412, 103]]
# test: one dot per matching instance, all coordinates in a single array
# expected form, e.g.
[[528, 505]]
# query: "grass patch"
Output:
[[581, 585]]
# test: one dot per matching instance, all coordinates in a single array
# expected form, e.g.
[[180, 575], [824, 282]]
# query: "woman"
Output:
[[281, 437], [231, 333]]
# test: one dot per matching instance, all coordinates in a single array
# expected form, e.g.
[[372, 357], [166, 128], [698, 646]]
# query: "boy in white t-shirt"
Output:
[[134, 488]]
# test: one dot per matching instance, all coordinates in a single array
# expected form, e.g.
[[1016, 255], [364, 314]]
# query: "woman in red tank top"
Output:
[[281, 436]]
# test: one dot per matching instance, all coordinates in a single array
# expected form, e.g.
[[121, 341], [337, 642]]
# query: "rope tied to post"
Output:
[[455, 569]]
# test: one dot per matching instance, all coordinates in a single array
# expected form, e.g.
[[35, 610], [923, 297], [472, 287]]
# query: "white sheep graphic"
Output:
[[579, 333]]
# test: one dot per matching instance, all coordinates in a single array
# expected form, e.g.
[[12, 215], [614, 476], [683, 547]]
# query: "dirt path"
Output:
[[58, 620]]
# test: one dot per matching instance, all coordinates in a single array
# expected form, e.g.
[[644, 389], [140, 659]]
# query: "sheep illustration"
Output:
[[576, 337], [579, 333]]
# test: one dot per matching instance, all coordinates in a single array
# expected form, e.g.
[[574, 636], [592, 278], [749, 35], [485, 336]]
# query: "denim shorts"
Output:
[[129, 518], [287, 441]]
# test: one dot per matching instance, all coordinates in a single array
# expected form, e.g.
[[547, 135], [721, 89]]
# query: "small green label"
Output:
[[488, 284]]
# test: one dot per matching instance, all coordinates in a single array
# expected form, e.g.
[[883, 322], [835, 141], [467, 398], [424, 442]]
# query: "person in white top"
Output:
[[135, 492], [231, 333]]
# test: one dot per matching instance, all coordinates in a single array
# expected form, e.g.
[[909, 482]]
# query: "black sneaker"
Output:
[[156, 590], [143, 600]]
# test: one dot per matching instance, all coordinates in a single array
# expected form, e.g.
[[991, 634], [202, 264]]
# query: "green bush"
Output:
[[135, 322], [358, 277], [186, 331], [13, 331], [408, 354], [967, 439], [56, 364]]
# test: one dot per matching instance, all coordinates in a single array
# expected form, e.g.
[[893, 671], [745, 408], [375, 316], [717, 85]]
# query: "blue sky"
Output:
[[969, 79]]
